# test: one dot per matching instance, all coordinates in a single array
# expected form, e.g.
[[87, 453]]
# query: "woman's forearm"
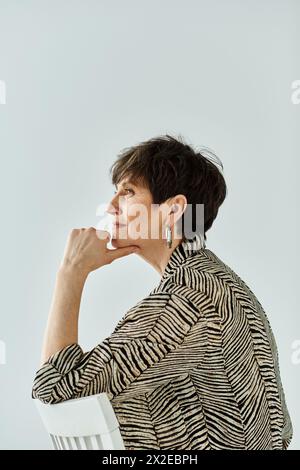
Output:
[[62, 324]]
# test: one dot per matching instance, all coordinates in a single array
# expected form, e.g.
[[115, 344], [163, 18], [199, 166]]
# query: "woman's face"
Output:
[[132, 207]]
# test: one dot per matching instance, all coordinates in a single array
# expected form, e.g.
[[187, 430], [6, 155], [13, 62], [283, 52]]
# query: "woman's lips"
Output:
[[118, 225]]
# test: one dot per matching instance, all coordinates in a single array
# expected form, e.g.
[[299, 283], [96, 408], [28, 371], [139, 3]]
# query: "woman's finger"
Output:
[[103, 234]]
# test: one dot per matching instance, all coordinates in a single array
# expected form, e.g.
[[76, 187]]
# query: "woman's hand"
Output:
[[86, 250]]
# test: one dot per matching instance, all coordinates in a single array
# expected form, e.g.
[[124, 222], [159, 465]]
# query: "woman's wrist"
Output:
[[69, 270]]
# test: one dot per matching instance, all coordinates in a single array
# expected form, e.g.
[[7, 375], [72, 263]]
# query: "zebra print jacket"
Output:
[[194, 365]]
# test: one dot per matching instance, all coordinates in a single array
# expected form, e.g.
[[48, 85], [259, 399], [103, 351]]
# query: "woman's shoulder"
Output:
[[169, 296]]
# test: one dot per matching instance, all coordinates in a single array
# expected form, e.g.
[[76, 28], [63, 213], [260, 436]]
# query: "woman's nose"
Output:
[[111, 209]]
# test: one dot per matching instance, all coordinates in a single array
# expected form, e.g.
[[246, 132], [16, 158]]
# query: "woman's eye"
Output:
[[125, 189], [128, 189]]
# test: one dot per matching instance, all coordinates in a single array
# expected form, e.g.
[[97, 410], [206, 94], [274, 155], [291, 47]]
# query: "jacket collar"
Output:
[[183, 251]]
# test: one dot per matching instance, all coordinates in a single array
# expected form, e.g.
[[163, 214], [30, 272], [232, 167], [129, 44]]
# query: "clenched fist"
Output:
[[86, 250]]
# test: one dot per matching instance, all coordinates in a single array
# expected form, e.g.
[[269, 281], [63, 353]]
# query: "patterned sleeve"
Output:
[[143, 338]]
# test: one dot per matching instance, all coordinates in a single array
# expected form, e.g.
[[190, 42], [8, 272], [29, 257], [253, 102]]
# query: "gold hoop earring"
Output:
[[169, 236]]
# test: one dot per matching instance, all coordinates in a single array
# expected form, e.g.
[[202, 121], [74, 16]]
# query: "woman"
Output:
[[194, 364]]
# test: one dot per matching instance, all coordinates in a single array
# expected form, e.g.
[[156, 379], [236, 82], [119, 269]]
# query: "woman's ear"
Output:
[[180, 204]]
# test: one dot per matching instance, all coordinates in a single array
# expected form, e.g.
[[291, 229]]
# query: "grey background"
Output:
[[85, 79]]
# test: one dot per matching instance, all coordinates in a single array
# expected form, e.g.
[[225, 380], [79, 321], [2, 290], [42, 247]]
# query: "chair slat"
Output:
[[64, 443], [82, 443], [53, 441], [73, 444], [94, 443], [58, 445]]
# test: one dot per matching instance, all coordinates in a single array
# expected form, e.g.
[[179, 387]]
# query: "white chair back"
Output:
[[82, 423]]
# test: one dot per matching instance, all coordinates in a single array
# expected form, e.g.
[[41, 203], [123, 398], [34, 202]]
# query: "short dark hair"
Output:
[[167, 166]]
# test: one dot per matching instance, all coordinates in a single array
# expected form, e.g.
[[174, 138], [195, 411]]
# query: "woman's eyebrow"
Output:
[[125, 182]]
